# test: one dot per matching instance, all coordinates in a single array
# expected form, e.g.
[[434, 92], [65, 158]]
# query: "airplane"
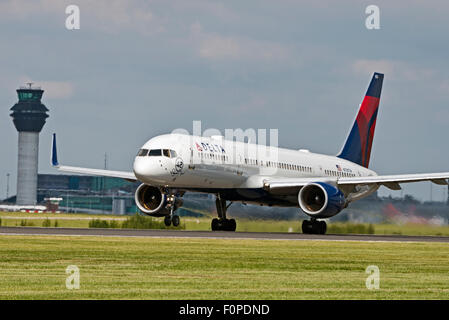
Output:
[[169, 165]]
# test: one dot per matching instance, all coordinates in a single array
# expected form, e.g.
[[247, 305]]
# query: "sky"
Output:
[[136, 69]]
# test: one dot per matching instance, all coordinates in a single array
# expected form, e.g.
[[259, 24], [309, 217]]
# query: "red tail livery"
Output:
[[358, 145]]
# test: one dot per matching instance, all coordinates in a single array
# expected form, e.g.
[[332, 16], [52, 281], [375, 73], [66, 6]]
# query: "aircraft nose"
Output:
[[141, 168]]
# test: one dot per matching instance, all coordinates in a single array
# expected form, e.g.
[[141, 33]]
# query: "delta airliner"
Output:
[[169, 165]]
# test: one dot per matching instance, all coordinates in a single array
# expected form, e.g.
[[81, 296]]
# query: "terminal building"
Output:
[[87, 194]]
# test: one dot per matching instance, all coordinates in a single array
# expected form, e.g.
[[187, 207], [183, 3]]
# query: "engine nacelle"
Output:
[[321, 200], [151, 201]]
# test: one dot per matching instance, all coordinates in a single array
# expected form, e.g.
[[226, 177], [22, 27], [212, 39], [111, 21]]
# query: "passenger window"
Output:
[[155, 152]]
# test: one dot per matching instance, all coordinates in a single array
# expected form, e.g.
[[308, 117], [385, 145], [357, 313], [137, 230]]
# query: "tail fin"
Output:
[[54, 154], [357, 147]]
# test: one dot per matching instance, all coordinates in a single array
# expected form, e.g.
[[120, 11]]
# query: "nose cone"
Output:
[[149, 170], [141, 168]]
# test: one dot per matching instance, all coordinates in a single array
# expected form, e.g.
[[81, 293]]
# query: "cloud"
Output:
[[395, 69], [110, 16], [22, 9], [369, 66], [214, 46], [215, 9], [444, 86], [53, 89]]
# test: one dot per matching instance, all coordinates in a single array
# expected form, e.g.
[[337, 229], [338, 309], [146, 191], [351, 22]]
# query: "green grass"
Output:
[[64, 220], [33, 267], [59, 215], [412, 229], [70, 220]]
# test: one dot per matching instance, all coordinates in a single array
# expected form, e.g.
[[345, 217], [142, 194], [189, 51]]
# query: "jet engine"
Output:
[[153, 202], [321, 200]]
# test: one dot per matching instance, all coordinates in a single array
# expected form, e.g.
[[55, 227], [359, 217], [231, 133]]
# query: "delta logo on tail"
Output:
[[360, 140]]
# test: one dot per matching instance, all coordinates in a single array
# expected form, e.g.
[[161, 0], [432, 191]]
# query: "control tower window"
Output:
[[142, 152], [155, 152], [28, 96]]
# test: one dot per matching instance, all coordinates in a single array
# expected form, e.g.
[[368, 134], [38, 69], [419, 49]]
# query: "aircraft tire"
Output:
[[215, 224], [314, 227], [175, 220], [231, 225], [322, 226], [167, 221]]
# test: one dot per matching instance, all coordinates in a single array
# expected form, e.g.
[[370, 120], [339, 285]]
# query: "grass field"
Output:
[[33, 267], [71, 220]]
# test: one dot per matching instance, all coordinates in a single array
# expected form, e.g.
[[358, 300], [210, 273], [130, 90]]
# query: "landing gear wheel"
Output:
[[322, 227], [175, 220], [232, 225], [223, 224], [306, 227], [314, 227], [167, 221], [215, 224]]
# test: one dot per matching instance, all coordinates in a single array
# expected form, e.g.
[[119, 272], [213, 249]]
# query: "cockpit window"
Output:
[[165, 152], [155, 152], [142, 152]]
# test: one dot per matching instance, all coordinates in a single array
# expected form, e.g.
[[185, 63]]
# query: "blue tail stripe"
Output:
[[352, 146]]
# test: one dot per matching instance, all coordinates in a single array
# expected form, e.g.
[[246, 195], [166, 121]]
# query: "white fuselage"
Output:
[[205, 163]]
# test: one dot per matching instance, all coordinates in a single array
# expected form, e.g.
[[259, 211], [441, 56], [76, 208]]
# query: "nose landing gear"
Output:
[[171, 218]]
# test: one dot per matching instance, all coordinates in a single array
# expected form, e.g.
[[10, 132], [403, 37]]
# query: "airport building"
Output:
[[88, 194]]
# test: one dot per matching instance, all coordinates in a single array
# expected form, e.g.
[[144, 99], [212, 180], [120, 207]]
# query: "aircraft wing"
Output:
[[96, 172], [393, 181], [99, 172], [389, 181]]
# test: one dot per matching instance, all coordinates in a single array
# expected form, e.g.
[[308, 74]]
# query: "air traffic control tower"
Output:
[[29, 116]]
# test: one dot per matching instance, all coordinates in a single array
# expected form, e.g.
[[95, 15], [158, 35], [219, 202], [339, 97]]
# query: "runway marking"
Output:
[[152, 233]]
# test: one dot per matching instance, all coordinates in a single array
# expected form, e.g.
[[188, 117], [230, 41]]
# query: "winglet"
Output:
[[54, 154]]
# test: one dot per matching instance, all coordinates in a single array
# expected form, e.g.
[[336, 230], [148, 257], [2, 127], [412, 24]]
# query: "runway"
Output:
[[212, 234]]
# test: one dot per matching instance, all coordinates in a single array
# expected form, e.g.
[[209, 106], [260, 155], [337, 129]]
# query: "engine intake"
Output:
[[151, 201], [321, 200]]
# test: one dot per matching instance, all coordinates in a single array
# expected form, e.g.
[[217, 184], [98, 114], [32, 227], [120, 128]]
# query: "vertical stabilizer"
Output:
[[357, 147]]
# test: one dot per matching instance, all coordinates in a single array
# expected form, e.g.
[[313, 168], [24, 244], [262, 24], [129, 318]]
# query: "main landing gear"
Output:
[[222, 223], [314, 227]]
